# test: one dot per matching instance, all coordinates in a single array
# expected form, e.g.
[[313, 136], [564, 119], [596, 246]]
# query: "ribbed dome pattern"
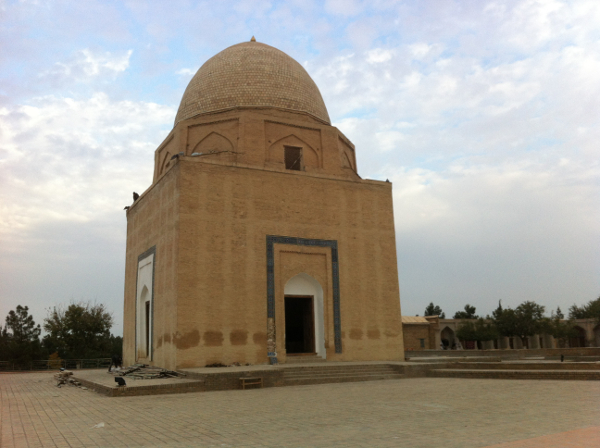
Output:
[[251, 74]]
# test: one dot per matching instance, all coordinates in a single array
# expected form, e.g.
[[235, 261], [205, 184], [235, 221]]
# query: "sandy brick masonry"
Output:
[[421, 412], [236, 77], [230, 222], [210, 286]]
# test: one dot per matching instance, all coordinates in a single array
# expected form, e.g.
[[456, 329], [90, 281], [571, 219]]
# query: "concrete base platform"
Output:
[[295, 374], [104, 383], [206, 379]]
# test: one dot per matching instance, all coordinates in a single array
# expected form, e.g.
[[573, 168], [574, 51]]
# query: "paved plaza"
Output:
[[419, 412]]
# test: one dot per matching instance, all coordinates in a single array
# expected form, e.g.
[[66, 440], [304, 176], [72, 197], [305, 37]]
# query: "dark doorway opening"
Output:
[[299, 325], [147, 329]]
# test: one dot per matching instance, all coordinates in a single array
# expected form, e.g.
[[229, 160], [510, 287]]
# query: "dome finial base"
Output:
[[253, 39]]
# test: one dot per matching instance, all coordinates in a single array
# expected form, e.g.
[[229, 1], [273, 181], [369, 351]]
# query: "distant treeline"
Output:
[[77, 331], [525, 320]]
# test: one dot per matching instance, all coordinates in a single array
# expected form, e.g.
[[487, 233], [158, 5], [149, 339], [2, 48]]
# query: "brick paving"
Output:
[[578, 438], [418, 412]]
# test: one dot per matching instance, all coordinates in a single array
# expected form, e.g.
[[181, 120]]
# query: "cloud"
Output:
[[463, 106], [67, 169], [72, 160], [484, 114], [478, 234], [344, 7], [86, 64], [419, 50], [378, 55], [185, 72], [492, 149], [532, 23]]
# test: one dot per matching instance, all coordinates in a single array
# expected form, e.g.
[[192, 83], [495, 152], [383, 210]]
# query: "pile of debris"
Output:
[[234, 364], [63, 378], [146, 372]]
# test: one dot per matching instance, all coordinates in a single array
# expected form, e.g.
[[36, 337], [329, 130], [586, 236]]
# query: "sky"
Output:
[[485, 115]]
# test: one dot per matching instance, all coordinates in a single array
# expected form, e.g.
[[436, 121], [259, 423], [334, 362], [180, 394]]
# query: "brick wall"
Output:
[[152, 221], [413, 334], [227, 213]]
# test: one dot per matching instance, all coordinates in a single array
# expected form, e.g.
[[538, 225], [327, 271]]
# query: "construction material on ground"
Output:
[[146, 372], [62, 377]]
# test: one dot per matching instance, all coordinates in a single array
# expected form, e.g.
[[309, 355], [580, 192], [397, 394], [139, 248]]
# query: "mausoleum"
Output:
[[257, 237]]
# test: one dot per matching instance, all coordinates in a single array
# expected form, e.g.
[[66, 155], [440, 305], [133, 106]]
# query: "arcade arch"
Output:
[[448, 338], [579, 339]]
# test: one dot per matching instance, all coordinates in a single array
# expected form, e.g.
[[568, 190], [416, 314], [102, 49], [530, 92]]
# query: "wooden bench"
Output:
[[251, 381]]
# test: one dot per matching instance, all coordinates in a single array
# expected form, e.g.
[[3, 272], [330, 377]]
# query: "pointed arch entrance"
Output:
[[447, 338], [304, 316], [144, 305]]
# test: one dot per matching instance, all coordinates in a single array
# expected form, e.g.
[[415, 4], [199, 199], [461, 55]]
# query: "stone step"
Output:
[[338, 374], [303, 359], [310, 371], [525, 366], [340, 379], [516, 374], [342, 366]]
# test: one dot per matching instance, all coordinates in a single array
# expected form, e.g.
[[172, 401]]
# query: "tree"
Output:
[[81, 330], [559, 314], [486, 330], [3, 344], [434, 310], [466, 332], [559, 328], [504, 320], [468, 313], [116, 345], [591, 310], [479, 330], [525, 320], [21, 338]]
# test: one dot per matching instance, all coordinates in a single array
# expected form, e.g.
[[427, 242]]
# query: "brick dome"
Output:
[[251, 74]]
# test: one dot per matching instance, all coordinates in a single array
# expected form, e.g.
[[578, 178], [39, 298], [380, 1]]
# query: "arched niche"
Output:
[[346, 154], [346, 162], [215, 146], [310, 157], [144, 307], [166, 161], [304, 285]]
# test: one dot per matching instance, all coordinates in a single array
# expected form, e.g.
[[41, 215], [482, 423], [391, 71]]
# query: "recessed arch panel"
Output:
[[144, 306], [335, 283], [311, 158]]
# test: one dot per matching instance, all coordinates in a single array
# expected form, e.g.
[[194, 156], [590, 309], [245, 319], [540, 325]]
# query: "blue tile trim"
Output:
[[332, 244]]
